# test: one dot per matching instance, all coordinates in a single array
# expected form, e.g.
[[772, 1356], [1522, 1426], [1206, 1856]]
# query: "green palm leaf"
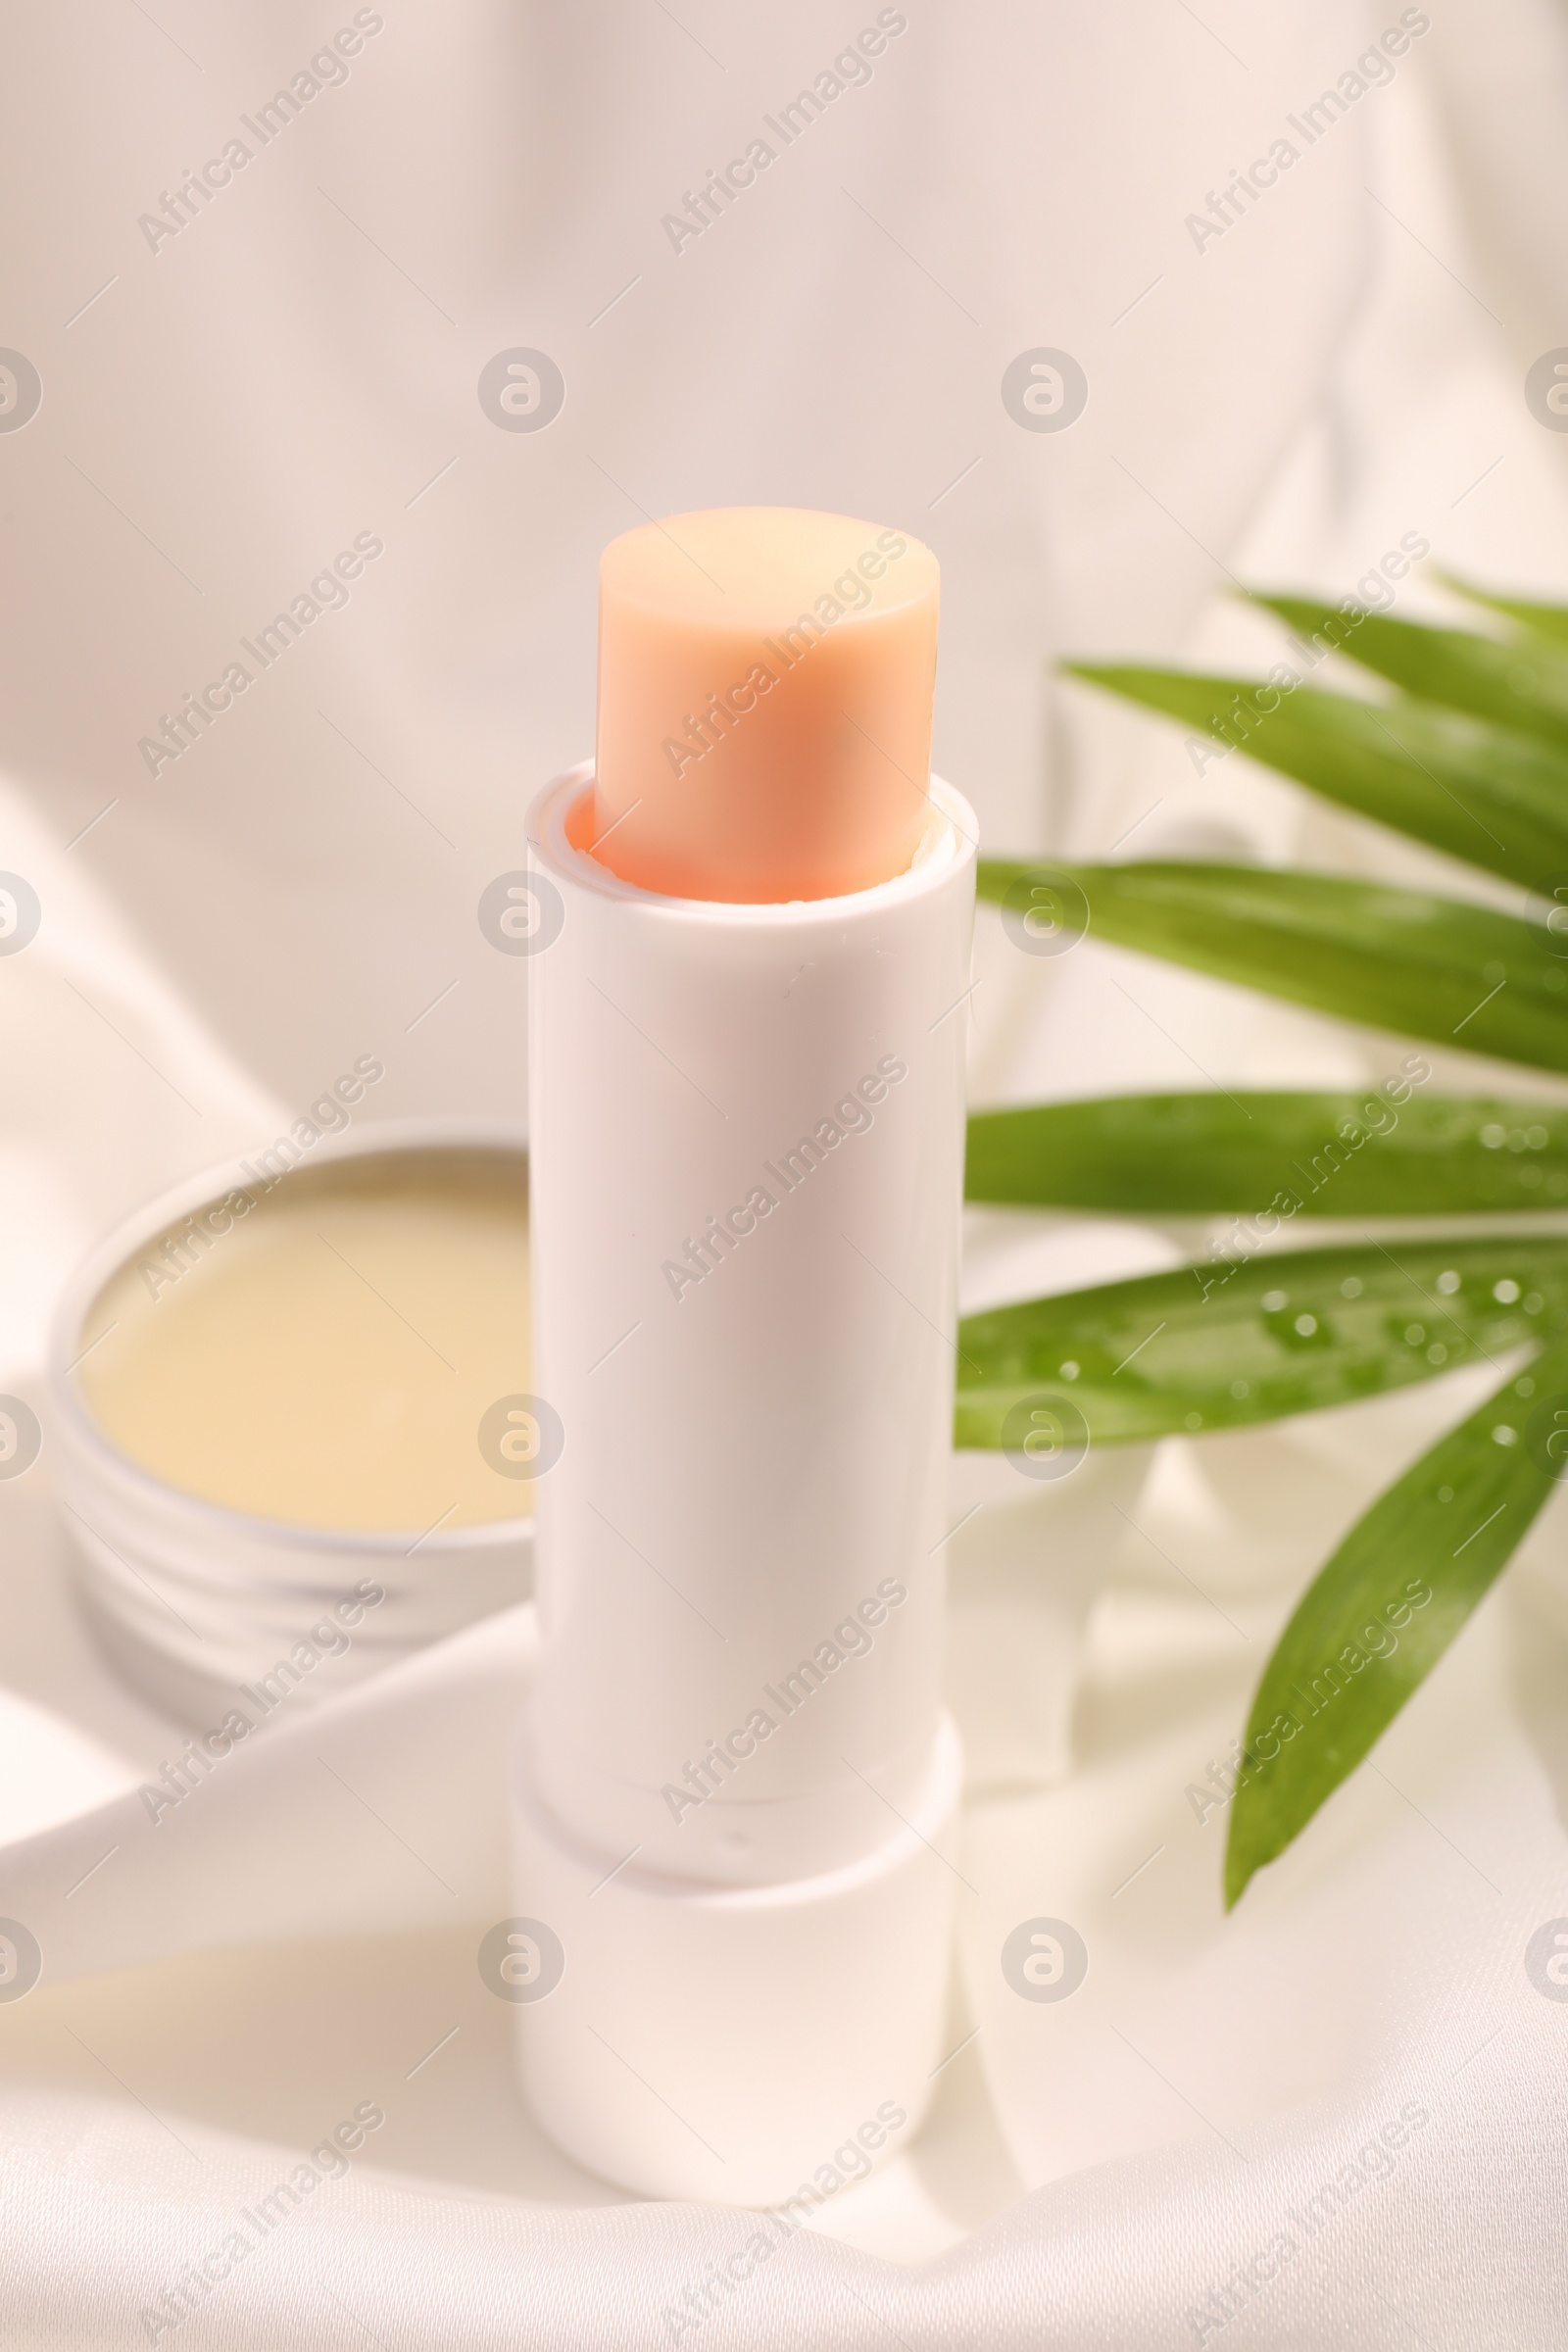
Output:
[[1401, 959], [1521, 683], [1387, 1152], [1549, 620], [1471, 757], [1246, 1338], [1377, 1618], [1484, 794]]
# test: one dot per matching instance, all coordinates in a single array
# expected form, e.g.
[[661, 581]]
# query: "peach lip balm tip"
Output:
[[764, 704]]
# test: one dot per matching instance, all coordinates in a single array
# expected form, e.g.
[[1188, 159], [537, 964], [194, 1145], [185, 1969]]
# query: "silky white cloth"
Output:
[[222, 412]]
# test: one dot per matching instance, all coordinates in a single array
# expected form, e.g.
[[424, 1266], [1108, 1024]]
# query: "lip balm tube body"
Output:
[[747, 1163]]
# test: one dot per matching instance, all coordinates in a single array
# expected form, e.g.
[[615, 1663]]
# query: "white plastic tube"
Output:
[[747, 1130]]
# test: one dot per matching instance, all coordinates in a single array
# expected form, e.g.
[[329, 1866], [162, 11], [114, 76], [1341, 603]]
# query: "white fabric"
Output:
[[298, 1938]]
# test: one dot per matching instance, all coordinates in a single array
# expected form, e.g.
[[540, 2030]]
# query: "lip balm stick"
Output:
[[737, 1792]]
